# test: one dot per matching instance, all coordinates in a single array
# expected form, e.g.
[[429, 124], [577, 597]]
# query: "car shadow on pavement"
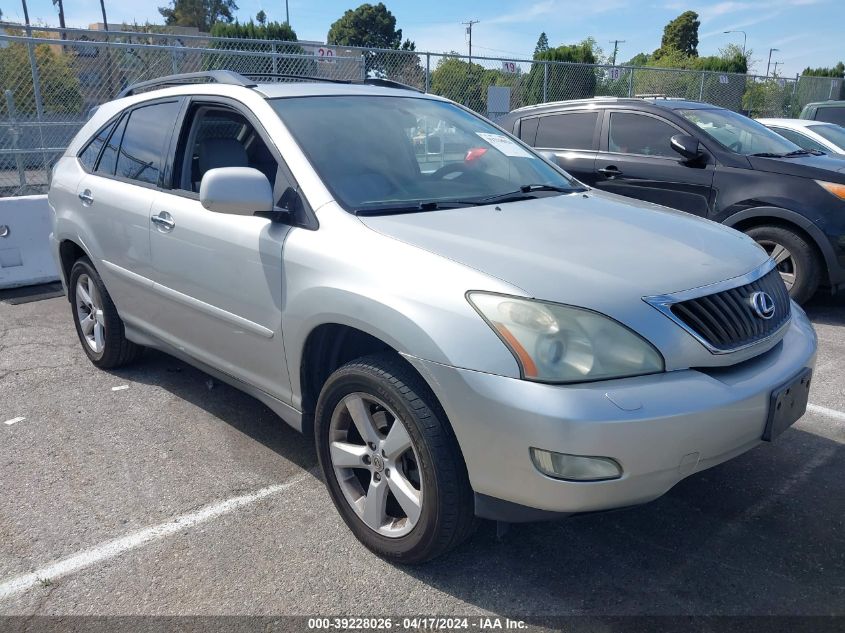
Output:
[[237, 409], [762, 534], [827, 309]]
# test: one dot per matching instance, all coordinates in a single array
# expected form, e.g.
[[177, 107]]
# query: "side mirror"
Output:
[[236, 190], [687, 146]]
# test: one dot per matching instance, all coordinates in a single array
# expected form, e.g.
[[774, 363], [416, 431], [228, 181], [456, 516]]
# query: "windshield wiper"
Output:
[[796, 152], [415, 207], [525, 192]]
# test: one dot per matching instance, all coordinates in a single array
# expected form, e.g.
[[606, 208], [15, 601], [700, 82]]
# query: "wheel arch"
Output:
[[784, 218], [69, 252]]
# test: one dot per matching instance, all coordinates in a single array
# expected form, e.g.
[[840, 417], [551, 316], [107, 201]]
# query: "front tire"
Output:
[[391, 462], [796, 259], [98, 325]]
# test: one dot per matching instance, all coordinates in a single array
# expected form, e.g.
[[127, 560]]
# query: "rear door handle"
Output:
[[610, 171], [164, 221], [87, 197]]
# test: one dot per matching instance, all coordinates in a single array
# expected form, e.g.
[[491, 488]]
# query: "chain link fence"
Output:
[[51, 78]]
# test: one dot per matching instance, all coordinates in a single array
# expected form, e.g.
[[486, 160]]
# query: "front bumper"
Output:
[[660, 428]]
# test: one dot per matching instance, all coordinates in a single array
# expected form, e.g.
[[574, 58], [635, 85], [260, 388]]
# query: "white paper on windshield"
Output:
[[503, 144]]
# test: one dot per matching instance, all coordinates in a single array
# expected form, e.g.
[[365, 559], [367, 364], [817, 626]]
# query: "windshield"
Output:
[[408, 153], [832, 133], [740, 134]]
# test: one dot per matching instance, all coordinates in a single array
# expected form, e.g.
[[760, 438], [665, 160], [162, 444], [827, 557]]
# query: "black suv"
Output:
[[708, 161]]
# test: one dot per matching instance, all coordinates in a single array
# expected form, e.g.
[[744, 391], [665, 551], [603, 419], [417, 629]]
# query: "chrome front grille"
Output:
[[725, 319]]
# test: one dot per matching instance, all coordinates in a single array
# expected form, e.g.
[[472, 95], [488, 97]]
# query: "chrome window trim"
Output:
[[664, 303]]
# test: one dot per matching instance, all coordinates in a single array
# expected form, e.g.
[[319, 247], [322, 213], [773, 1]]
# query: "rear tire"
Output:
[[425, 504], [797, 260], [98, 325]]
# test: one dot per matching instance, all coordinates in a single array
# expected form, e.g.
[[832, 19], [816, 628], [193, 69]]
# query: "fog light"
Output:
[[575, 467]]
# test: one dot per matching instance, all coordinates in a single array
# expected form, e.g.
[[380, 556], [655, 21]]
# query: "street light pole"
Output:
[[287, 13], [769, 63], [744, 39]]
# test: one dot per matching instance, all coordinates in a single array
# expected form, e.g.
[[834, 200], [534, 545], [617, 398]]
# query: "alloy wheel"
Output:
[[89, 312], [783, 259], [376, 464]]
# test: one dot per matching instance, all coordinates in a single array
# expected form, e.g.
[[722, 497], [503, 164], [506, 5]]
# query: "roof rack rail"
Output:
[[236, 79], [214, 76], [369, 81]]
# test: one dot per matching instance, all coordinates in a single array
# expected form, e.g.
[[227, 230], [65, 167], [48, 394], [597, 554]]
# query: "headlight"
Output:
[[835, 188], [557, 343]]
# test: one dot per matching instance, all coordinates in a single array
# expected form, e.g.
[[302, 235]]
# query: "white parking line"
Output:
[[831, 413], [118, 546], [13, 421]]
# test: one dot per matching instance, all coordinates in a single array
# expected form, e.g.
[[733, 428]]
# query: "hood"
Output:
[[817, 167], [591, 249]]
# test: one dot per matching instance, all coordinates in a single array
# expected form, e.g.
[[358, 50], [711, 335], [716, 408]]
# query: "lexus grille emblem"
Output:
[[763, 305]]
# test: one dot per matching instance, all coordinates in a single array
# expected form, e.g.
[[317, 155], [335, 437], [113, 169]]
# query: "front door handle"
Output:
[[610, 171], [87, 197], [163, 221]]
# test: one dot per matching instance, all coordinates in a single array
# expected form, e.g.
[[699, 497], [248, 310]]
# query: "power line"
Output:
[[469, 25], [616, 44]]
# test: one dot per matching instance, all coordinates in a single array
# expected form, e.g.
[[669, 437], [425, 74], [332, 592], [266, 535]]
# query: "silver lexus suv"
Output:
[[465, 329]]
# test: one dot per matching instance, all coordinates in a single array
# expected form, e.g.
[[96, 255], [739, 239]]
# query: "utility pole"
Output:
[[469, 32], [287, 13], [103, 9], [26, 19], [769, 63], [775, 69], [616, 44]]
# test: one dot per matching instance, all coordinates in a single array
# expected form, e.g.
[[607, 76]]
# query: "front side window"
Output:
[[567, 131], [217, 137], [148, 129], [738, 133], [89, 155], [374, 151], [639, 134]]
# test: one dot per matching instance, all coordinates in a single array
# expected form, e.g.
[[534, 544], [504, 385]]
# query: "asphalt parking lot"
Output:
[[97, 466]]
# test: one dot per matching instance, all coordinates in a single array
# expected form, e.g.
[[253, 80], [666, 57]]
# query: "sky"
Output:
[[807, 32]]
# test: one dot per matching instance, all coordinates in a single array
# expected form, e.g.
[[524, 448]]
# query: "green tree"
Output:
[[59, 84], [563, 81], [463, 82], [202, 14], [261, 62], [681, 34], [542, 44], [261, 17], [836, 71], [369, 25]]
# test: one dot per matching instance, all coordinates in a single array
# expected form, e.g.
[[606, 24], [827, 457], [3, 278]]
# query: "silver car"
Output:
[[465, 333]]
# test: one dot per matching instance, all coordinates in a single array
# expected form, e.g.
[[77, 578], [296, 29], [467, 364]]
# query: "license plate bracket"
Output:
[[787, 404]]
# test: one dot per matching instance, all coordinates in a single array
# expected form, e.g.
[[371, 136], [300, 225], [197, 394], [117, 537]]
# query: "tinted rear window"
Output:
[[567, 131], [831, 115], [142, 150], [109, 156]]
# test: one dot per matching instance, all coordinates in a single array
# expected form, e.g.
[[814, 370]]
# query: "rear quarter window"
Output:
[[88, 156]]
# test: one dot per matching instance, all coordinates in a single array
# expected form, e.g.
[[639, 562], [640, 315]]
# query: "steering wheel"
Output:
[[447, 170]]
